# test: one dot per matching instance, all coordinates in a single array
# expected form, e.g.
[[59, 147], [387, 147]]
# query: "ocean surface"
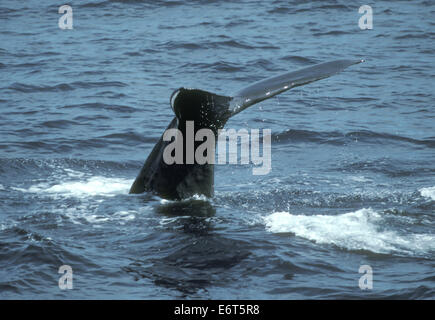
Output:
[[353, 156]]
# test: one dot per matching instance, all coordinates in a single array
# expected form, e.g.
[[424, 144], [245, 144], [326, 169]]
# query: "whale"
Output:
[[207, 110]]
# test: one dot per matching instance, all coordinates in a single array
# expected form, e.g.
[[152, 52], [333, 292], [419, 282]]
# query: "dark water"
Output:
[[353, 170]]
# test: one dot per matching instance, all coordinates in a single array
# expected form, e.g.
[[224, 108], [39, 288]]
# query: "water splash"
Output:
[[359, 230], [428, 192], [93, 186]]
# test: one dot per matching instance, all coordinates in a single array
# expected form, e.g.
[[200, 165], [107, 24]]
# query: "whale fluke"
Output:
[[212, 111], [270, 87]]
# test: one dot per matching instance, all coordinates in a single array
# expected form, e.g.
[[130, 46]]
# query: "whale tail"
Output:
[[210, 110]]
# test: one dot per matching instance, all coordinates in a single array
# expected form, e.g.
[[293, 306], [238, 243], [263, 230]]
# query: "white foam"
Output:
[[124, 215], [359, 230], [194, 197], [73, 173], [1, 187], [86, 189], [94, 218], [359, 179], [428, 192], [91, 187], [87, 213]]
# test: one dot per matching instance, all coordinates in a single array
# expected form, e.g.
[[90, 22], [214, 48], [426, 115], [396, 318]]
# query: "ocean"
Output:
[[346, 212]]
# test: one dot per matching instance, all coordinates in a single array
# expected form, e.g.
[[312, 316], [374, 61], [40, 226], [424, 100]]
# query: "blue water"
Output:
[[353, 170]]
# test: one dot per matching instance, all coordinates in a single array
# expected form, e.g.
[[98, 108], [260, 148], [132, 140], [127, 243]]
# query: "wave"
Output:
[[299, 59], [225, 66], [422, 35], [340, 138], [89, 214], [207, 44], [58, 124], [27, 88], [330, 33], [274, 196], [361, 230], [46, 173], [310, 8], [102, 106], [222, 66]]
